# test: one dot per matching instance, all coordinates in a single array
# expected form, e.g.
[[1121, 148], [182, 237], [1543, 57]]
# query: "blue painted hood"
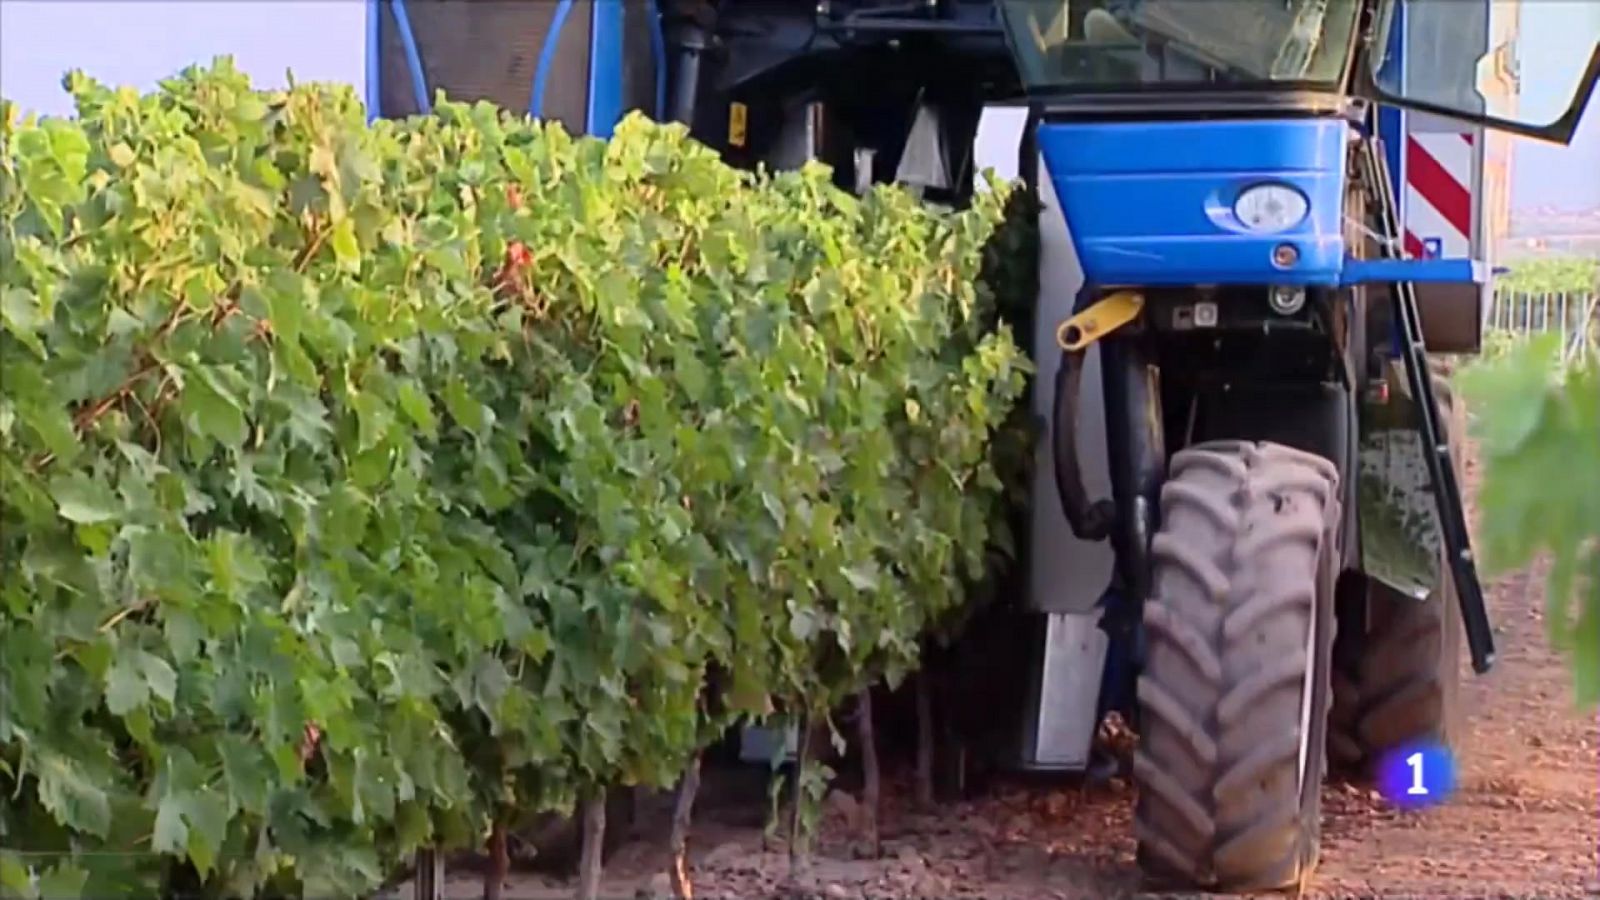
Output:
[[1151, 203]]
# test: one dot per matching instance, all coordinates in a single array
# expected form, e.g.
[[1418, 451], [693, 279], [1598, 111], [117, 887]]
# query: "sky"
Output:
[[140, 41], [1557, 37]]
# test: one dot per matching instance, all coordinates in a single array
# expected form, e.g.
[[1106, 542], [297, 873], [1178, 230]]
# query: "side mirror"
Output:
[[1461, 59]]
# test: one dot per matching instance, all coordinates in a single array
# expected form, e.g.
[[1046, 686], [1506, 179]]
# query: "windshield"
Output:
[[1078, 45]]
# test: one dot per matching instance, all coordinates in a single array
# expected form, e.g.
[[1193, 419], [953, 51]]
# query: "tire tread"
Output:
[[1238, 559], [1400, 685]]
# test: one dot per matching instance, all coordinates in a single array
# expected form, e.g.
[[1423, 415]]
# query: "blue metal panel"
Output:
[[605, 68], [1416, 271], [374, 69], [1152, 203], [1392, 119], [1392, 131]]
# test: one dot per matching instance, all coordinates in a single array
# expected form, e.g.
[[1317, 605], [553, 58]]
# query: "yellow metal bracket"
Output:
[[1107, 315]]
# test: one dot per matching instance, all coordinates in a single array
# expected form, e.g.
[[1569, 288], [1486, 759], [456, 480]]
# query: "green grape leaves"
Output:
[[362, 482], [1538, 424]]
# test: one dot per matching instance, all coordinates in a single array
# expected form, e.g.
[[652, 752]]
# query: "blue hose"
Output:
[[374, 70], [658, 46], [547, 58], [419, 81]]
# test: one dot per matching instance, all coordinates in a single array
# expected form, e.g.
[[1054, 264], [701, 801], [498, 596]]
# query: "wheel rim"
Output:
[[1323, 594]]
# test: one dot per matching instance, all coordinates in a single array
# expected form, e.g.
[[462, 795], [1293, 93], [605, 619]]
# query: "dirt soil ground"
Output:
[[1525, 822]]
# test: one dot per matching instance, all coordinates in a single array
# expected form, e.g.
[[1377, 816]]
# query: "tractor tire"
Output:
[[1409, 676], [1234, 695], [1398, 684]]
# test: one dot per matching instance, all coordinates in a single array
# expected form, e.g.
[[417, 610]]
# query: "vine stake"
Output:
[[494, 879], [924, 689], [872, 782], [591, 862], [682, 811]]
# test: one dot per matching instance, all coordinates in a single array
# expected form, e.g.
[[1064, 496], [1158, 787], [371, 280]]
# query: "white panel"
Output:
[[1069, 691], [998, 144], [1452, 151], [1066, 574], [1427, 223], [139, 42], [1441, 137]]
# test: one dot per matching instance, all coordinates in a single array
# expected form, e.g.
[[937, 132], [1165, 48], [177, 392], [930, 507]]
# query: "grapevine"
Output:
[[1537, 421], [366, 487]]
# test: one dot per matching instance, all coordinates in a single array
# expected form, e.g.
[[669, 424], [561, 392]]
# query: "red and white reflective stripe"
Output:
[[1438, 204]]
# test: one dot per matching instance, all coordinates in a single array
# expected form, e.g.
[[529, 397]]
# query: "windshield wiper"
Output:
[[1294, 57], [1246, 36]]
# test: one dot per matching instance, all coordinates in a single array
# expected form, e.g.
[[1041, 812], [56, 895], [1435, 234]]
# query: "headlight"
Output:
[[1267, 208]]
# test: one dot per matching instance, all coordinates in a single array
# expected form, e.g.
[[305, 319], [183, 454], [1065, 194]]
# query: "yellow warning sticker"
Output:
[[738, 119]]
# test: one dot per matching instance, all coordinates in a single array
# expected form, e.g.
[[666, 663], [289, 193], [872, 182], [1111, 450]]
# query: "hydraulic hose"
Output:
[[686, 91], [658, 46], [547, 58], [1089, 521], [408, 41]]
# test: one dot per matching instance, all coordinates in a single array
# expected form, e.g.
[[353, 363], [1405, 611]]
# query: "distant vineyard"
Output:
[[1556, 275], [1571, 318]]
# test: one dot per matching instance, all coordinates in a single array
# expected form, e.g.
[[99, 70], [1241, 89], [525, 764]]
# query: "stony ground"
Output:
[[1525, 822]]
